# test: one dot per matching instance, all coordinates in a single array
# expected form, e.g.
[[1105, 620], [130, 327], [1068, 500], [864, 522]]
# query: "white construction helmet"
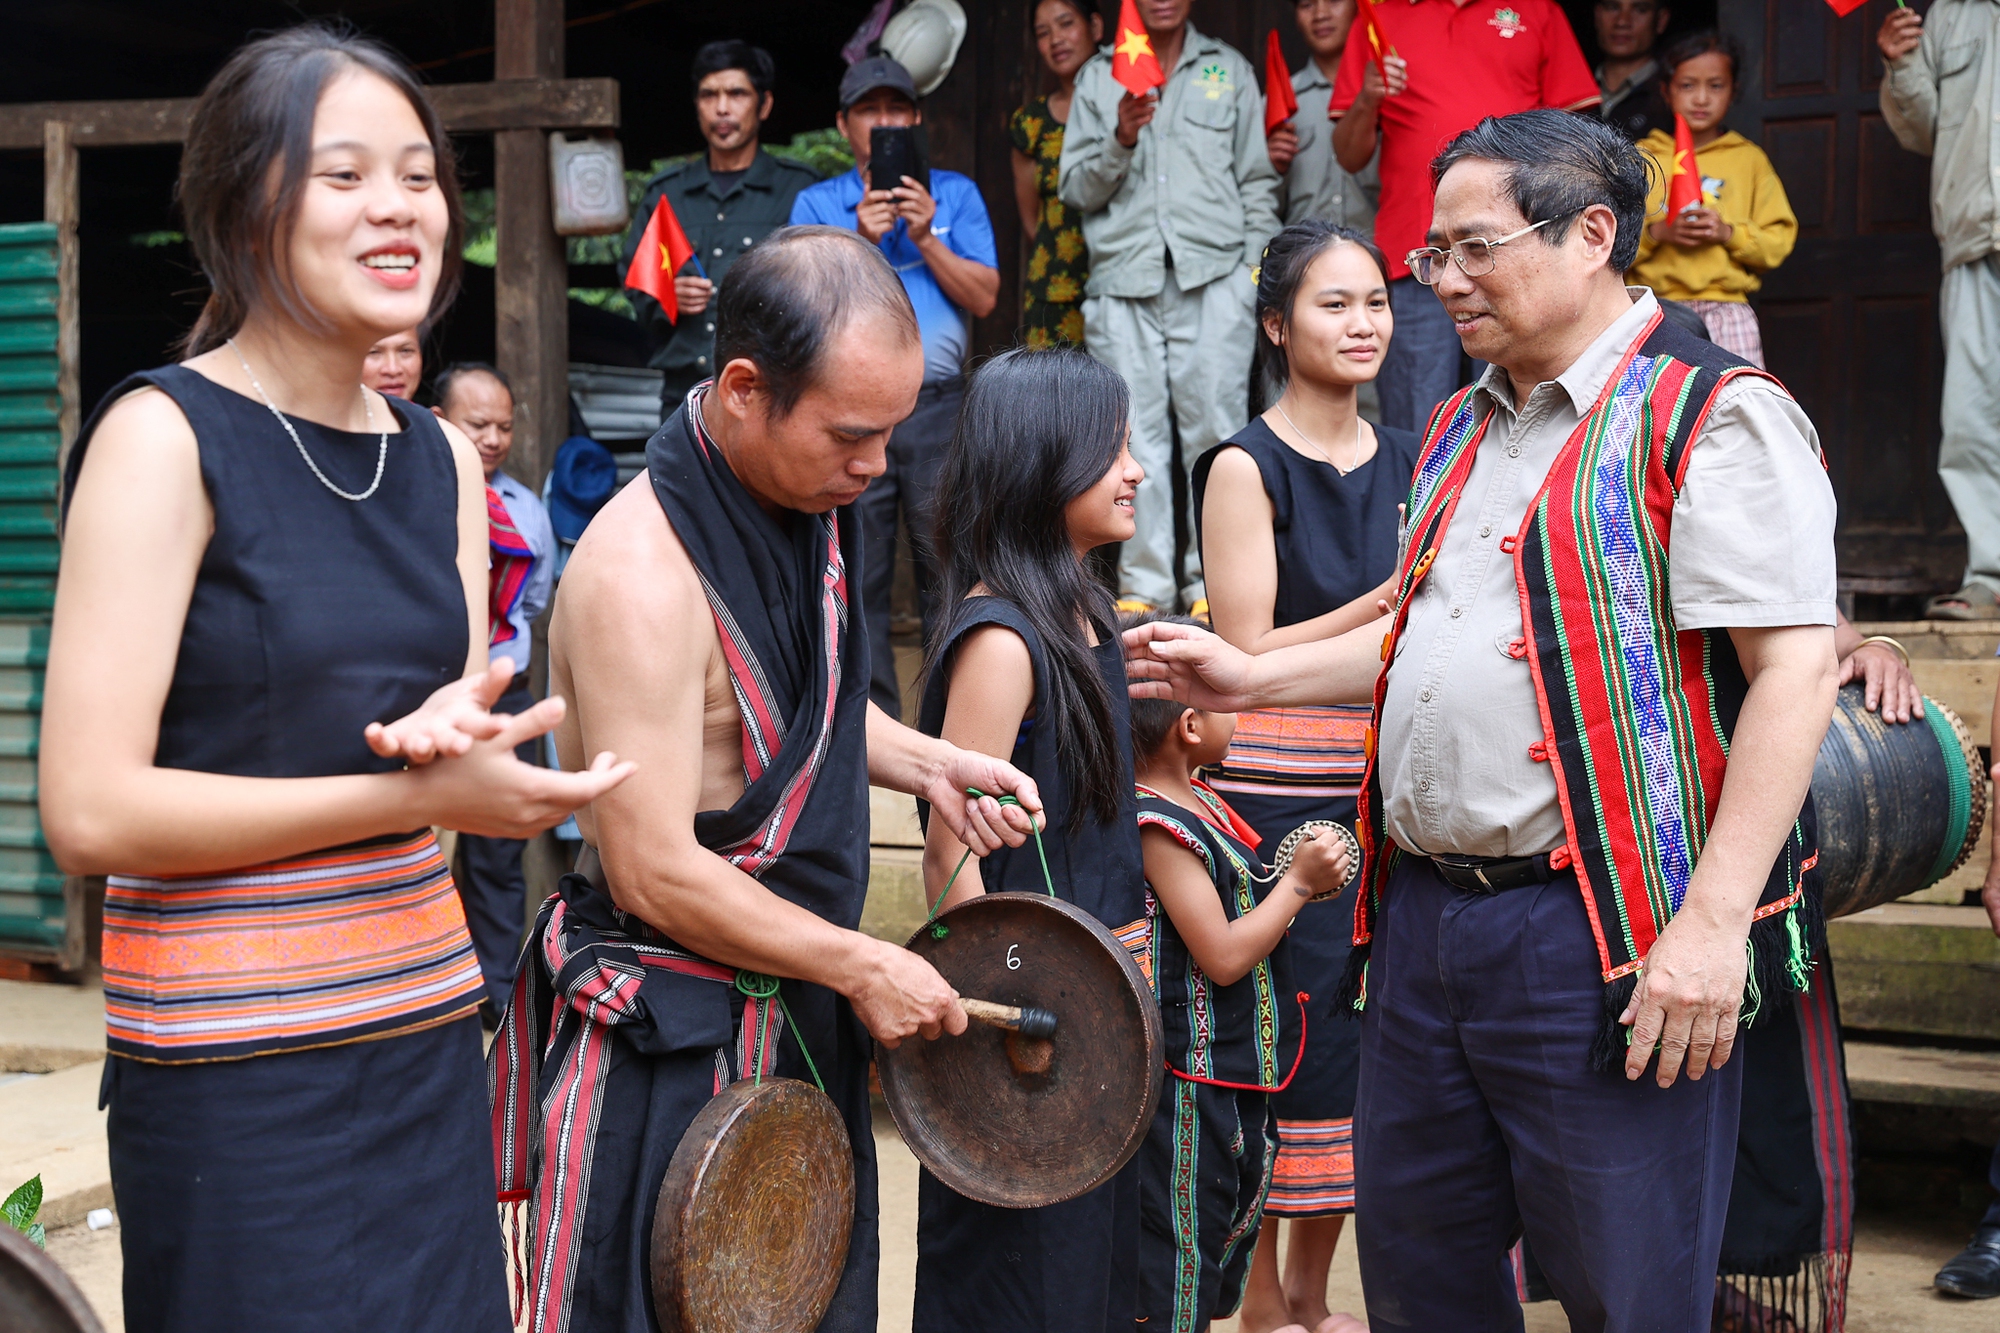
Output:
[[924, 39]]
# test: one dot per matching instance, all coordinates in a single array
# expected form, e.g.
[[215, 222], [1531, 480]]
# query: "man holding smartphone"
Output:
[[937, 236]]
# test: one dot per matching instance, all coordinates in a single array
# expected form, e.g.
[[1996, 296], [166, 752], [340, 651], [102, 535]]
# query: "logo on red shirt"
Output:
[[1508, 22]]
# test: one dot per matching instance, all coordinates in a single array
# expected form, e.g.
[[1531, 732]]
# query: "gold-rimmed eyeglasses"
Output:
[[1473, 255]]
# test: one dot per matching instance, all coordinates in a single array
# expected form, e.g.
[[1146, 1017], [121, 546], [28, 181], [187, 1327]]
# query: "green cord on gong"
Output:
[[762, 986], [1048, 880]]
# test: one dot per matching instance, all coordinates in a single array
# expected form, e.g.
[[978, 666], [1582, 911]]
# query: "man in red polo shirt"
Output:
[[1450, 64]]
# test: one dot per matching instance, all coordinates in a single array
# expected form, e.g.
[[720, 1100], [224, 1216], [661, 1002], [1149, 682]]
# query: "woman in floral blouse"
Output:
[[1066, 33]]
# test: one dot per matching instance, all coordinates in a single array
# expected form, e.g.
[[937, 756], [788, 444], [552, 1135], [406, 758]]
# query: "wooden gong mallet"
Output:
[[1025, 1019], [1029, 1030]]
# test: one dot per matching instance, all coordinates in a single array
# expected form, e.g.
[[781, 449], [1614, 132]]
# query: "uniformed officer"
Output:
[[1178, 198], [727, 200]]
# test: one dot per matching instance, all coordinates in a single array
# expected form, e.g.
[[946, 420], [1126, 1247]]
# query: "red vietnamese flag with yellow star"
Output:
[[1684, 187], [663, 248], [1132, 60]]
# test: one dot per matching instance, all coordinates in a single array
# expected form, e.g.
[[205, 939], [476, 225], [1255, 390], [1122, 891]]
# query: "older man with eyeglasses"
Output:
[[1599, 695]]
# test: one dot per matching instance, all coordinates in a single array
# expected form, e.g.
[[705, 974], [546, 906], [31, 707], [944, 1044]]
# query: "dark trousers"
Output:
[[493, 890], [1426, 363], [1479, 1118], [915, 451]]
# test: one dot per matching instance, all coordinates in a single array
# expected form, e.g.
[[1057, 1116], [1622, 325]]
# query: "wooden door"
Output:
[[1850, 320]]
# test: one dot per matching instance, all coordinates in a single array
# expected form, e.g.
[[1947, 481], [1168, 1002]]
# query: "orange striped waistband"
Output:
[[335, 946]]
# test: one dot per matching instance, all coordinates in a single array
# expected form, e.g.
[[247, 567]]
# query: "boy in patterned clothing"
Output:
[[1234, 1028]]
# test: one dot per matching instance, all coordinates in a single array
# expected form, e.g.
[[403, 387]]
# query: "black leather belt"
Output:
[[1495, 874]]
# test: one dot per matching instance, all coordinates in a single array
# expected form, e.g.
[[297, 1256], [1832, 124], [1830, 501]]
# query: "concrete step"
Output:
[[1918, 968], [54, 1129], [1924, 1076]]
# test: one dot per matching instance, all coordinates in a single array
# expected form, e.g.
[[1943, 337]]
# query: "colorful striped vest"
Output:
[[1636, 715]]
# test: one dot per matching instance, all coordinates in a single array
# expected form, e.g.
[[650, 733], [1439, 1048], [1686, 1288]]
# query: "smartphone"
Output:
[[896, 151]]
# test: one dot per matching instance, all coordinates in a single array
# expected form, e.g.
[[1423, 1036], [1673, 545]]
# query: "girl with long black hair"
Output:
[[1027, 666], [1297, 513]]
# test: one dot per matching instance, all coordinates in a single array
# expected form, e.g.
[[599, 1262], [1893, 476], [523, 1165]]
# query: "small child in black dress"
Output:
[[1235, 1029]]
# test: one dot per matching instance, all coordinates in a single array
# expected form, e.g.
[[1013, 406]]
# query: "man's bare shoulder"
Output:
[[629, 563]]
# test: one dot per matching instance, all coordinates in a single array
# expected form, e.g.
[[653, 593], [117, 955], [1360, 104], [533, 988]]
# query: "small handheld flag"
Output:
[[663, 249], [1132, 60], [1378, 41], [1280, 102], [1684, 187]]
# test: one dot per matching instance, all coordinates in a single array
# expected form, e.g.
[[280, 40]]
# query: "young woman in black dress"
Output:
[[1028, 666], [267, 681], [1298, 514]]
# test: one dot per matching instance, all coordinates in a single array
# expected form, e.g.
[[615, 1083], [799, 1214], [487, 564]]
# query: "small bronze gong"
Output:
[[1008, 1119], [754, 1215], [1304, 832], [35, 1295]]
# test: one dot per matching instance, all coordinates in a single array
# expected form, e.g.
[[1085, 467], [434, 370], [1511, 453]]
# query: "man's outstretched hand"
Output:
[[981, 822], [1189, 664]]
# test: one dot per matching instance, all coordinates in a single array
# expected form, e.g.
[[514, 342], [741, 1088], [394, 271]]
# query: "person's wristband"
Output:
[[1888, 643]]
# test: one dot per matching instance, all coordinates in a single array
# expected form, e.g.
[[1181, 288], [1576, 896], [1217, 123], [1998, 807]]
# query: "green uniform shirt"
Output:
[[1197, 191], [721, 225]]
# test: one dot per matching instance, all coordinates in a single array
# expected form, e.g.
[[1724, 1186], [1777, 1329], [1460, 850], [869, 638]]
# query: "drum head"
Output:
[[1023, 1132], [35, 1295], [754, 1215]]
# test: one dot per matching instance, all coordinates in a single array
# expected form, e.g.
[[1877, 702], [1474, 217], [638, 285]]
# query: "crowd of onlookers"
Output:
[[1146, 215], [1147, 219]]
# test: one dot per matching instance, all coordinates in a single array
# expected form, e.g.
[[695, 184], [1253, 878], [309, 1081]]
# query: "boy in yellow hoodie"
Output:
[[1714, 256]]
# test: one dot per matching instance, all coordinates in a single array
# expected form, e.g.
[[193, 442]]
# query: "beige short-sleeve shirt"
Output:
[[1751, 546]]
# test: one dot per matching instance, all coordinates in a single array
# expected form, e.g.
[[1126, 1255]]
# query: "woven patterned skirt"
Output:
[[1314, 1173]]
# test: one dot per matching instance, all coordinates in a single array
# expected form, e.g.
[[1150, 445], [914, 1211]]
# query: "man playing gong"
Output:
[[1609, 667], [706, 613]]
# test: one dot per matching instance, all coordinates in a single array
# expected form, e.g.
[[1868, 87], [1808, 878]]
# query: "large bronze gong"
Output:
[[754, 1215], [1009, 1119], [35, 1295]]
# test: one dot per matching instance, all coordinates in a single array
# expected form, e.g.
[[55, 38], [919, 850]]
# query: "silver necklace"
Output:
[[1353, 462], [381, 454]]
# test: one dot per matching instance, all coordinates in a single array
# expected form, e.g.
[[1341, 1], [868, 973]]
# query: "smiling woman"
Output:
[[267, 680]]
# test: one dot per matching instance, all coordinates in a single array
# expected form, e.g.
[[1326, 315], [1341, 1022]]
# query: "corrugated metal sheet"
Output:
[[33, 915], [618, 402]]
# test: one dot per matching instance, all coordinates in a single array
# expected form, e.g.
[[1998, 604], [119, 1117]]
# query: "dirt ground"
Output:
[[1891, 1290]]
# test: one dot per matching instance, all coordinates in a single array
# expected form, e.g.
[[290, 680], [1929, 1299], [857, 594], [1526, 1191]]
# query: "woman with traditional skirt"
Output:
[[267, 682], [1298, 513], [1028, 666]]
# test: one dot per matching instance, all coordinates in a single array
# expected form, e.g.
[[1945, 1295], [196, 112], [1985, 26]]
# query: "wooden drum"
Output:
[[1900, 806]]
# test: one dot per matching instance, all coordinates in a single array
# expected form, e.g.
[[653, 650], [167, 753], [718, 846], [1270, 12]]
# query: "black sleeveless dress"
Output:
[[1070, 1267], [1336, 538], [324, 1160]]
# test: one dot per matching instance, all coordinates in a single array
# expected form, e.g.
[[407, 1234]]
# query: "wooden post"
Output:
[[531, 274], [62, 205]]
